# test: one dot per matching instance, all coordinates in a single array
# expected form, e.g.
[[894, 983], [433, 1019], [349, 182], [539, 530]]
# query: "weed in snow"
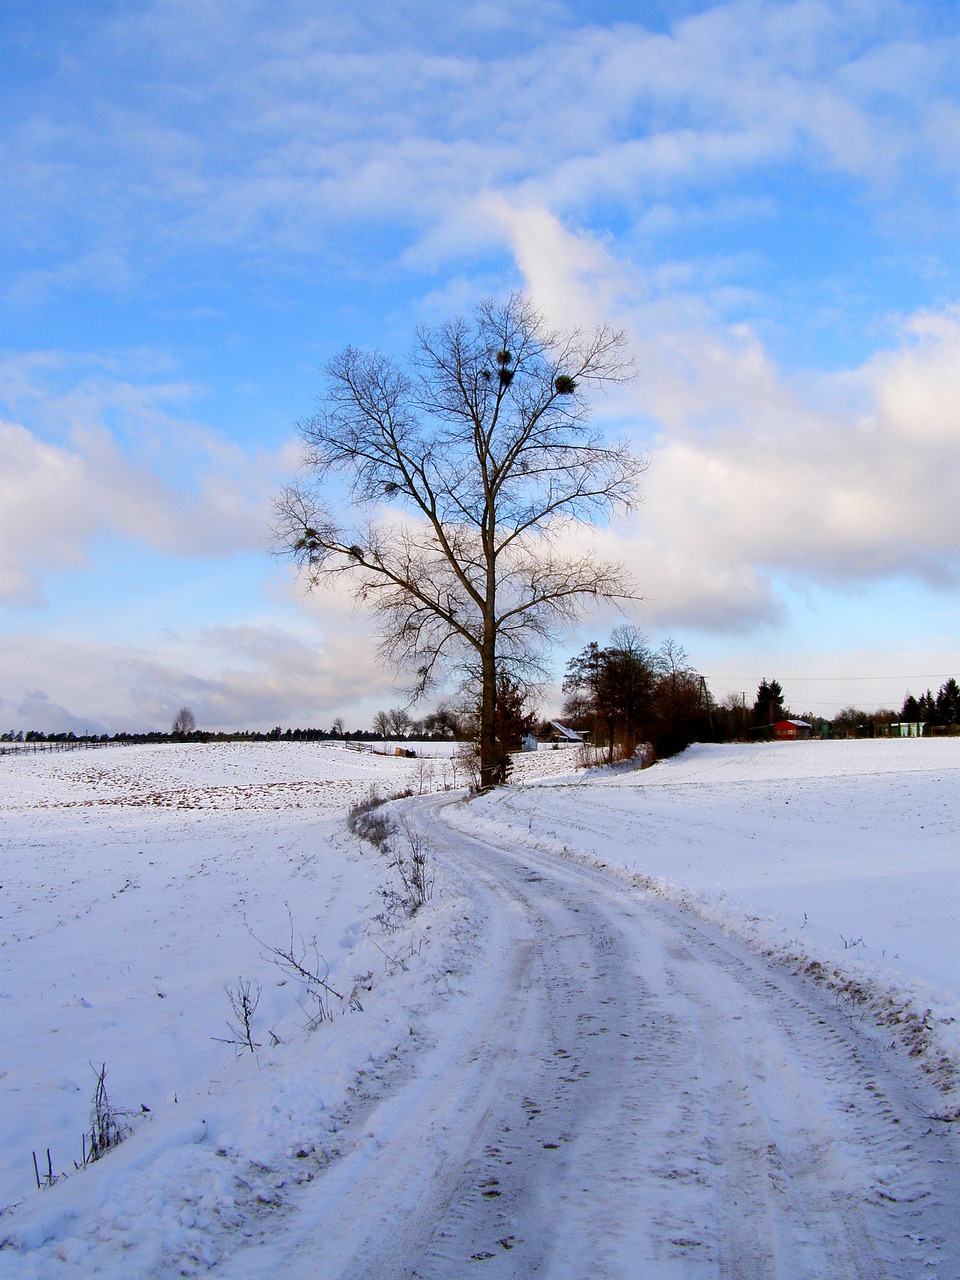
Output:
[[109, 1125], [244, 999]]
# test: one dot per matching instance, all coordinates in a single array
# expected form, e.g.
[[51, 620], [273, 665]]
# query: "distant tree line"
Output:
[[619, 695], [734, 718], [37, 735], [627, 692], [938, 714], [426, 730], [196, 735]]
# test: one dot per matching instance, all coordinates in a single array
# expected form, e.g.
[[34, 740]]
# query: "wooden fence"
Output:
[[69, 744]]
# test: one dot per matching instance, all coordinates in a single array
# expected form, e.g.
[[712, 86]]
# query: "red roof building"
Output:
[[791, 730]]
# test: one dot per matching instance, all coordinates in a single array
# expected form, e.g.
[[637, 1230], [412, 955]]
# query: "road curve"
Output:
[[627, 1093]]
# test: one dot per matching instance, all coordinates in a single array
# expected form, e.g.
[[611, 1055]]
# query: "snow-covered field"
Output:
[[138, 883]]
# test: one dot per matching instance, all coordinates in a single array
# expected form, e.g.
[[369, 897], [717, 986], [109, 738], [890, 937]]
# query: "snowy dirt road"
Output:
[[623, 1091]]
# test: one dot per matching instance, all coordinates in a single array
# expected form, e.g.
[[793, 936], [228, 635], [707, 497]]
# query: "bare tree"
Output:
[[184, 723], [400, 721], [381, 724], [485, 442]]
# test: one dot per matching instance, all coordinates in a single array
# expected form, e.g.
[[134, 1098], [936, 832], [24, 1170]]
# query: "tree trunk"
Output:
[[488, 711], [489, 755]]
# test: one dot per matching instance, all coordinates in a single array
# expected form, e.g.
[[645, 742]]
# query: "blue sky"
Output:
[[202, 202]]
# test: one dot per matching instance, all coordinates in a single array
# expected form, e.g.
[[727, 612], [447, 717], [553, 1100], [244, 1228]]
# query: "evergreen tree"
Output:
[[768, 707], [948, 703], [910, 711], [928, 708]]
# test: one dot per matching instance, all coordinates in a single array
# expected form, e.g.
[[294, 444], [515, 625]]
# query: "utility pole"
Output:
[[705, 701]]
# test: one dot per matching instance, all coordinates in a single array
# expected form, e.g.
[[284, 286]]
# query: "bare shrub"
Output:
[[425, 773], [374, 827], [468, 758], [589, 756], [397, 960], [365, 820], [303, 961], [244, 999], [415, 874], [108, 1124]]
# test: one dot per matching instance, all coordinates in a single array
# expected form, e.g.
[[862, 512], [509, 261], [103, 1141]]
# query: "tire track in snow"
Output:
[[820, 1160], [628, 1093]]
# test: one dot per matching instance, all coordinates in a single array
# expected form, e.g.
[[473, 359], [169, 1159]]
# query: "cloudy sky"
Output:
[[203, 201]]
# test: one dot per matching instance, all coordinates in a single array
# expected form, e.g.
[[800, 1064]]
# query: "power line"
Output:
[[838, 679], [812, 703]]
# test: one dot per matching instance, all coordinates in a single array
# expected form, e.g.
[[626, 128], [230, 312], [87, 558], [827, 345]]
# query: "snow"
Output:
[[139, 882], [136, 884], [842, 853]]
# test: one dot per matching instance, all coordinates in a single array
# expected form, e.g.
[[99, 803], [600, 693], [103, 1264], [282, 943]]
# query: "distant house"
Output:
[[791, 730], [565, 737]]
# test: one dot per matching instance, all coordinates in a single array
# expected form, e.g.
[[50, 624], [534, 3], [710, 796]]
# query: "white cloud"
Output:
[[105, 269], [850, 478], [105, 455], [42, 515], [260, 127], [245, 677]]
